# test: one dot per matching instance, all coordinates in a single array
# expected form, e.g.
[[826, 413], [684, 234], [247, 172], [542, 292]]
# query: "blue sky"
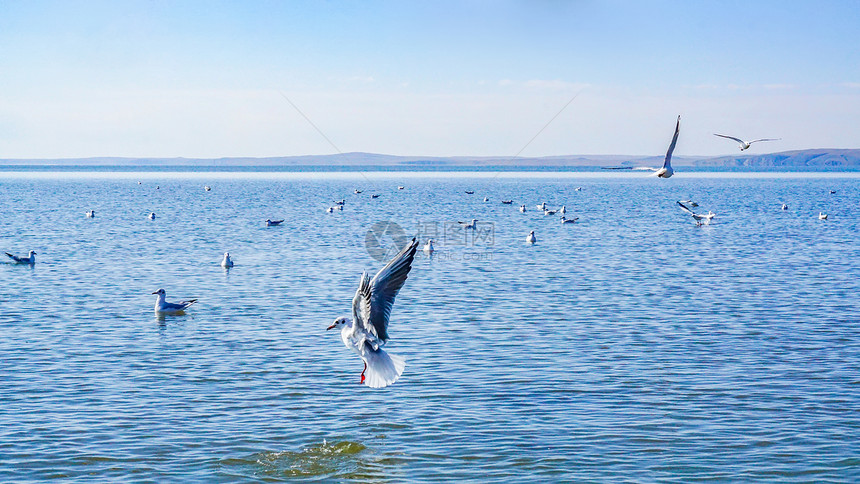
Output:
[[204, 79]]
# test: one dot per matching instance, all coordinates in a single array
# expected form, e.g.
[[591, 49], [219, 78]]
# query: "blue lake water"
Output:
[[630, 346]]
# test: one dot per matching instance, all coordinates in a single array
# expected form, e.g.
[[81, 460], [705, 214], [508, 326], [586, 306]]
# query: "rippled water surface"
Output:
[[630, 346]]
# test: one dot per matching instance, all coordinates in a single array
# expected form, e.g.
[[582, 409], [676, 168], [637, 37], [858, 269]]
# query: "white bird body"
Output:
[[743, 144], [523, 208], [784, 206], [822, 216], [91, 214], [30, 259], [562, 210], [542, 206], [227, 261], [273, 223], [569, 220], [329, 210], [151, 215], [428, 247], [549, 212], [367, 332], [164, 307], [486, 199], [207, 188], [401, 187], [701, 219], [531, 239]]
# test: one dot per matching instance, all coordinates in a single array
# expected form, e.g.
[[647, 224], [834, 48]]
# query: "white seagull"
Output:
[[401, 187], [821, 216], [523, 208], [91, 213], [329, 210], [699, 218], [30, 259], [207, 188], [486, 199], [743, 144], [357, 191], [428, 247], [151, 216], [467, 225], [689, 202], [164, 307], [367, 331], [530, 238], [784, 206], [227, 262], [569, 220], [273, 223], [549, 212], [666, 170], [542, 206], [562, 210]]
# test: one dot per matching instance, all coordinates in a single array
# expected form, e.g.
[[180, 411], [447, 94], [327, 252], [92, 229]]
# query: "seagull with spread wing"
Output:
[[743, 144], [666, 170], [367, 331], [701, 219]]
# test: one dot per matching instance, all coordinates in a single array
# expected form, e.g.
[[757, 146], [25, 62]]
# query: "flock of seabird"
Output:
[[367, 331]]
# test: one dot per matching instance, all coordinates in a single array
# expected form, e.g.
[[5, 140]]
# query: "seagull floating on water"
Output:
[[549, 212], [91, 214], [486, 199], [821, 216], [468, 192], [699, 218], [164, 307], [523, 208], [562, 210], [151, 216], [784, 206], [467, 225], [542, 206], [340, 202], [207, 188], [578, 189], [530, 238], [743, 144], [30, 259], [401, 187], [507, 202], [428, 247], [273, 223], [569, 220], [357, 191], [329, 210], [367, 332], [374, 196], [227, 262]]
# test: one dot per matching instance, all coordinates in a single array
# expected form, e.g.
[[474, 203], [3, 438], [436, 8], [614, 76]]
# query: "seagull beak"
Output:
[[155, 292], [330, 327]]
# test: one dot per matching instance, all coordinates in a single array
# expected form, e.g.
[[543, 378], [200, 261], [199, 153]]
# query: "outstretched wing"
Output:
[[764, 139], [13, 257], [684, 208], [672, 145], [375, 297], [729, 137]]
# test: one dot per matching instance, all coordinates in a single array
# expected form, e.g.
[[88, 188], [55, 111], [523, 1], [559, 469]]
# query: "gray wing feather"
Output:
[[375, 297], [14, 257], [684, 208], [672, 145], [764, 139], [729, 137]]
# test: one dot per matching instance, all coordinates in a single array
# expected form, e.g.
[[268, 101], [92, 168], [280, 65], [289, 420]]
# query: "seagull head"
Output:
[[32, 253], [160, 292], [339, 322], [226, 255]]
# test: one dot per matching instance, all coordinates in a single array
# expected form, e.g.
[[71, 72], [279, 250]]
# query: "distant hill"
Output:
[[814, 159]]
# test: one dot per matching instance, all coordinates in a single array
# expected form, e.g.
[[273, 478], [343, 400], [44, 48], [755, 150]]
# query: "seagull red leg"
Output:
[[362, 373]]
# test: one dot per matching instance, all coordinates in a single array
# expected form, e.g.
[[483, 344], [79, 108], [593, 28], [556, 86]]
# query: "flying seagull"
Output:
[[701, 219], [367, 332], [30, 259], [164, 307], [666, 170], [743, 144]]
